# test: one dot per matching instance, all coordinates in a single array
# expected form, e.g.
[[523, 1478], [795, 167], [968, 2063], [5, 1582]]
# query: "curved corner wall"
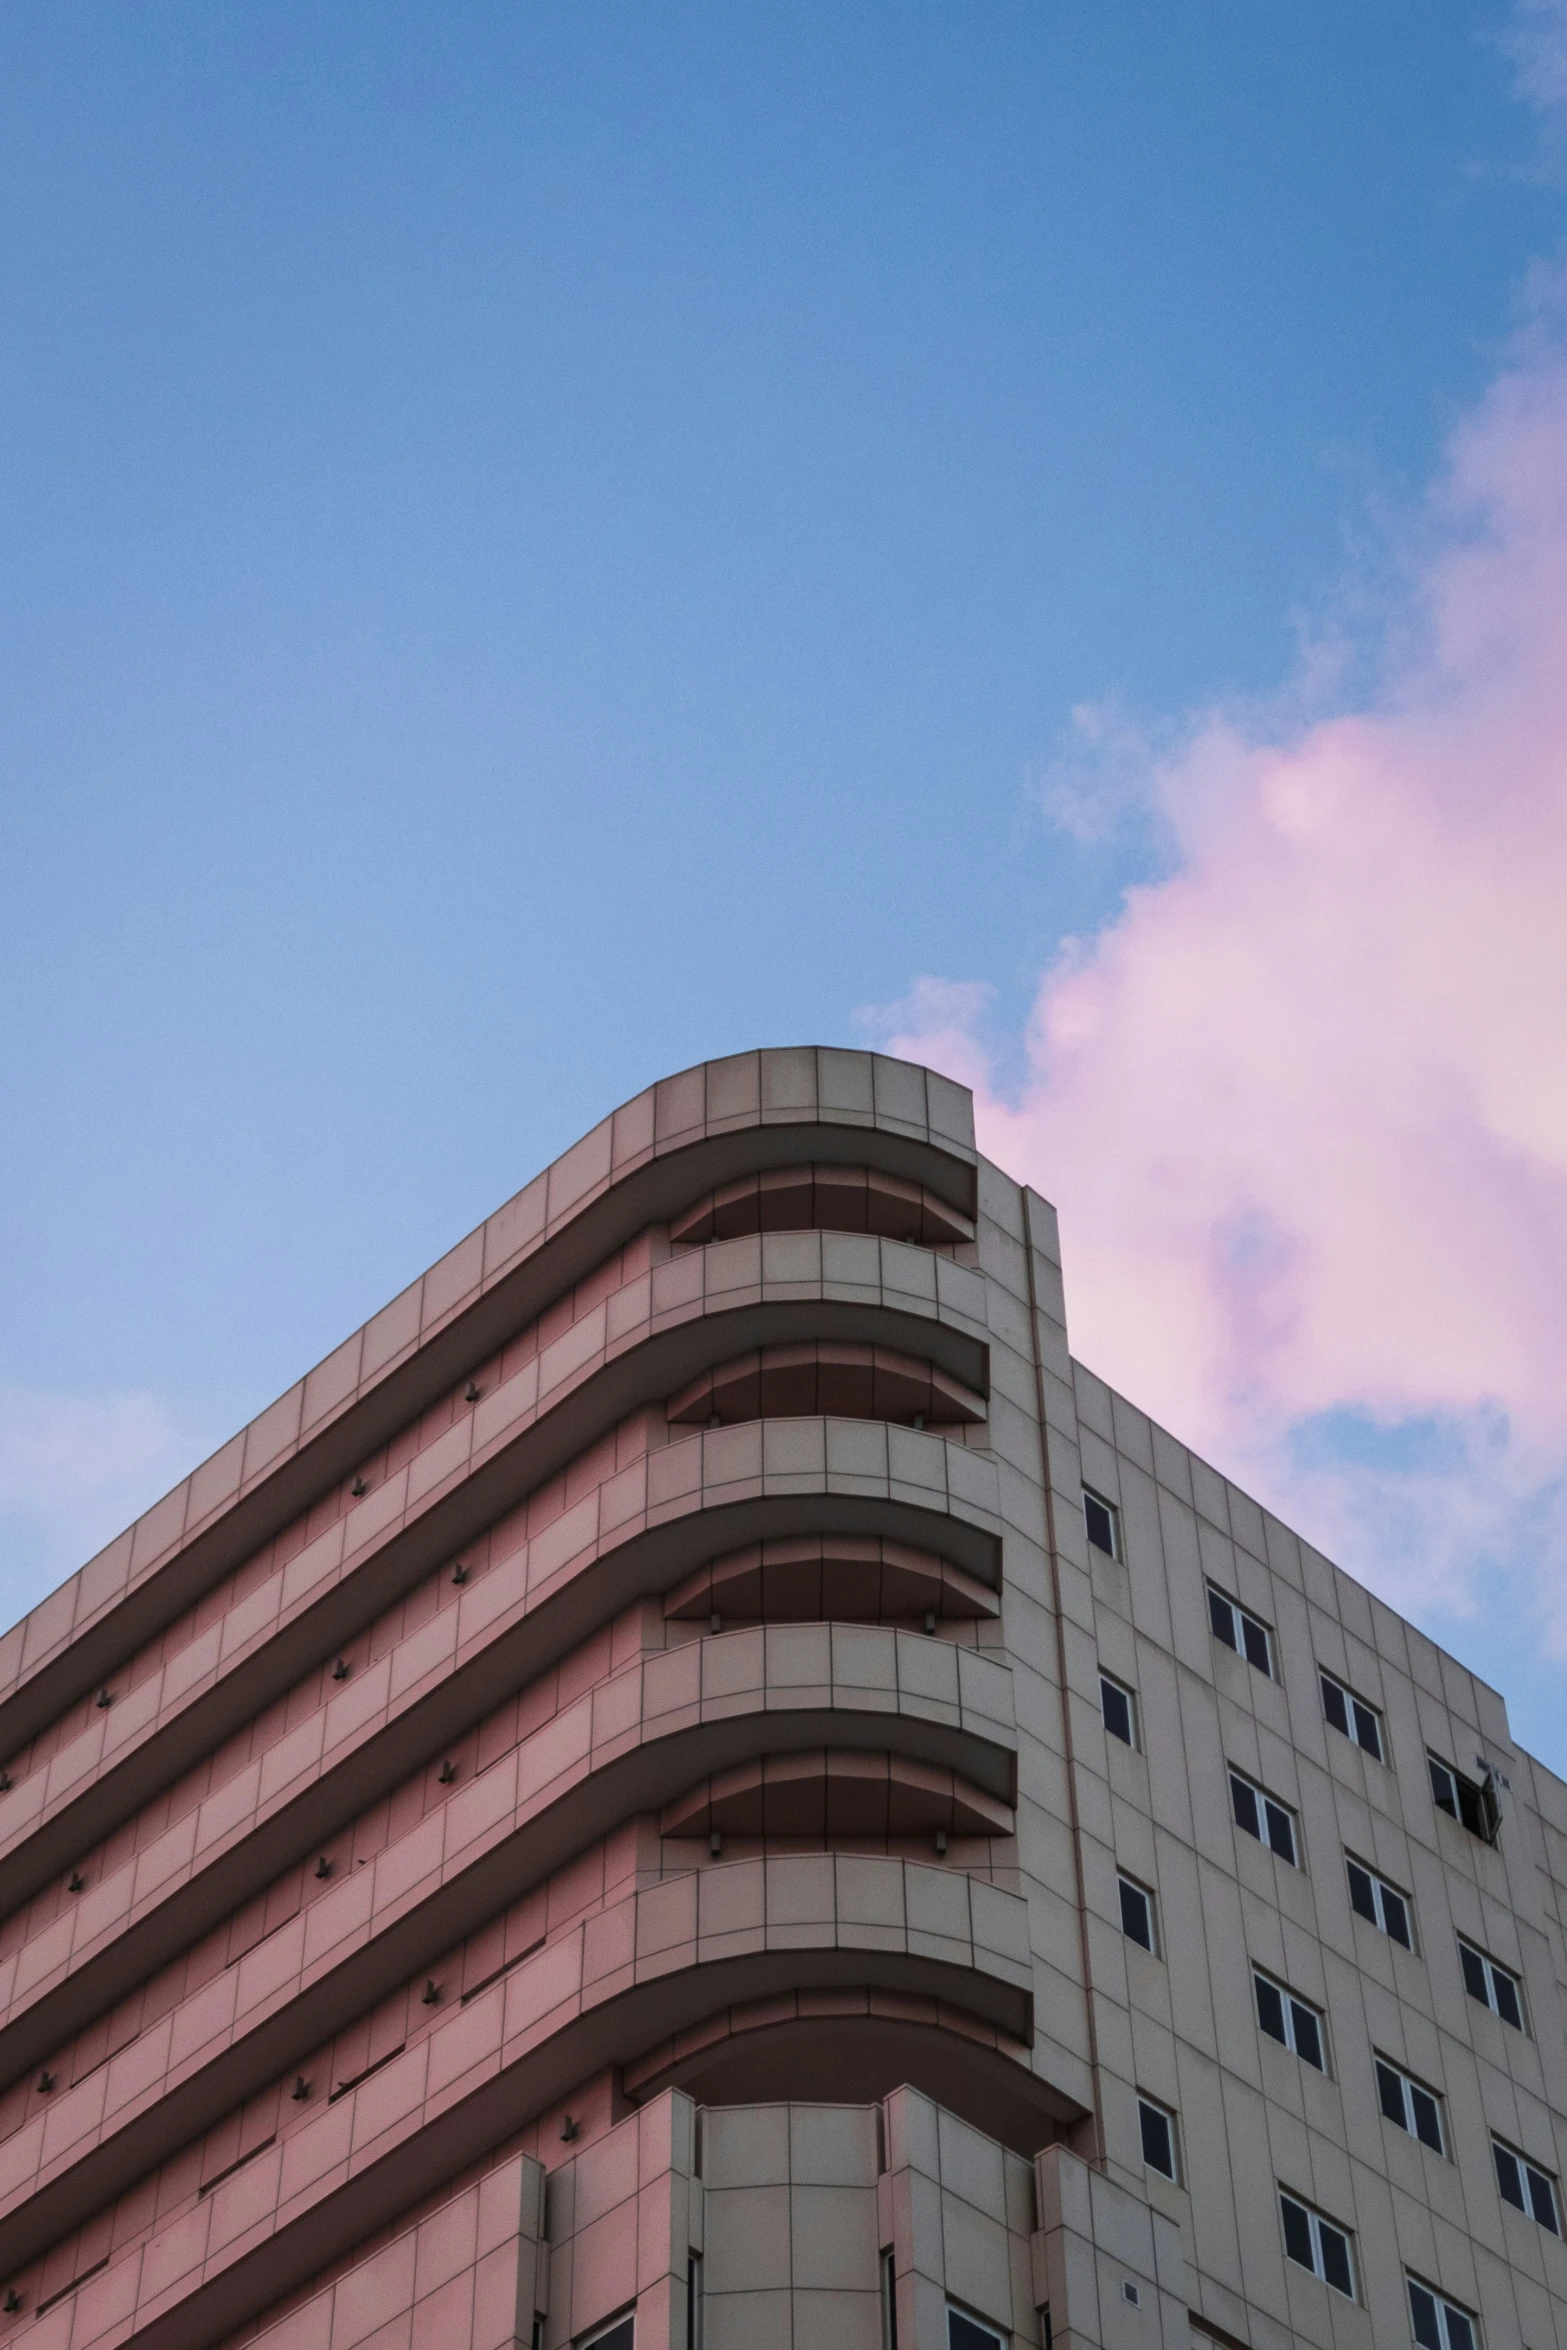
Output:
[[591, 1679]]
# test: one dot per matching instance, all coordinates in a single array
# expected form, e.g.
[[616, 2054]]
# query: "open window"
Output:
[[1475, 1803]]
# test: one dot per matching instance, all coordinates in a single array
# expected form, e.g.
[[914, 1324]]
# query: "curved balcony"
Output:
[[595, 1737], [818, 1378], [830, 1578], [656, 1963], [635, 1533], [646, 1338], [824, 1198], [848, 2046], [659, 1730], [643, 1165], [836, 1796]]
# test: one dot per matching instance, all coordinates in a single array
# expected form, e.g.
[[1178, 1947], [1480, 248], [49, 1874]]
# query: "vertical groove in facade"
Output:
[[617, 1811]]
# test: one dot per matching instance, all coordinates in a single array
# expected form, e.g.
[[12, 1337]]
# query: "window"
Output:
[[1119, 1708], [1271, 1822], [1439, 2324], [1374, 1899], [968, 2333], [1136, 1912], [618, 2335], [1461, 1799], [1410, 2107], [1240, 1631], [1317, 2243], [1523, 2183], [1353, 1716], [1492, 1985], [1157, 2124], [1289, 2021], [1103, 1521]]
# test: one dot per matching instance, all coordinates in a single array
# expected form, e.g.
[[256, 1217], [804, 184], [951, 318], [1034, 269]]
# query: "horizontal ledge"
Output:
[[643, 1374], [854, 2047], [652, 1193], [525, 1853], [612, 2030], [647, 1561]]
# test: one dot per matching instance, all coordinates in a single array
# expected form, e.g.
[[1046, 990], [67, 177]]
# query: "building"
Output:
[[700, 1780]]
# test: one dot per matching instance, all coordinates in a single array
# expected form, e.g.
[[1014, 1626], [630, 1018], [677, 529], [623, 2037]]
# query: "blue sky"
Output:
[[544, 543]]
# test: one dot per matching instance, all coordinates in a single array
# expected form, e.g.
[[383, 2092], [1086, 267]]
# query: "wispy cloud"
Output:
[[1537, 40], [1303, 1103]]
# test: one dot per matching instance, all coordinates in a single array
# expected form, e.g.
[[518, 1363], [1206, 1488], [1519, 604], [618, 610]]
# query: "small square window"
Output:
[[1119, 1708], [1238, 1629], [1493, 1985], [1157, 2125], [968, 2333], [1137, 1921], [1102, 1520], [1293, 2022], [1524, 2184], [1353, 1717], [1314, 2241]]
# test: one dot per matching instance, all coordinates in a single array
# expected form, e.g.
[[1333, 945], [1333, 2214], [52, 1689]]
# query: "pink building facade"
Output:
[[700, 1782]]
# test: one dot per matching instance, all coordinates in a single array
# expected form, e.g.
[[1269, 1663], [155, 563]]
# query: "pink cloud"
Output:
[[1303, 1104]]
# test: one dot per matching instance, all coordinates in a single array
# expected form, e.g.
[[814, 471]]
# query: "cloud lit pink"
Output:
[[1303, 1104]]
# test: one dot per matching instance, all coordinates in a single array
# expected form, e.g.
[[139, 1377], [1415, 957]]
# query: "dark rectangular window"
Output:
[[1281, 1829], [1238, 1629], [967, 2333], [1316, 2242], [1410, 2105], [619, 2336], [1373, 1898], [1115, 1703], [1297, 2232], [1263, 1816], [1158, 2131], [1436, 2322], [1289, 2020], [1136, 1912], [1353, 1717], [1523, 2183], [1463, 1799], [1495, 1986], [1307, 2028], [1100, 1516]]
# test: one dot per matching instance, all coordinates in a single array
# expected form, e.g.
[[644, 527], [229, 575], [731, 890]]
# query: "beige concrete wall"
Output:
[[1183, 2026]]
